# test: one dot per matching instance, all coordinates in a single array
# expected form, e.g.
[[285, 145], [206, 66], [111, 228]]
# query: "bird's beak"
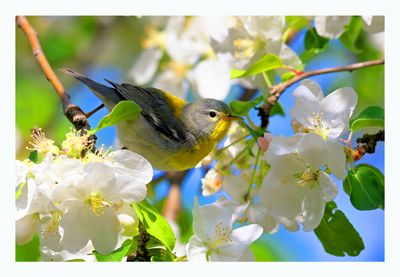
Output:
[[233, 117]]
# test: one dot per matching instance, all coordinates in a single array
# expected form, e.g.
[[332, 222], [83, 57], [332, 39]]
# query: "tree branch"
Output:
[[277, 90], [74, 113], [367, 144], [172, 206]]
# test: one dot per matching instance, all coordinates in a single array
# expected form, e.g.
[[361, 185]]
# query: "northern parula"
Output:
[[170, 133]]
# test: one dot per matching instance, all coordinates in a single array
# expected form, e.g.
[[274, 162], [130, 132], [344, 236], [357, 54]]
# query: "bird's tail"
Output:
[[109, 96]]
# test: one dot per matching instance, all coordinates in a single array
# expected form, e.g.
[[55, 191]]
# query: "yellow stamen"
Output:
[[307, 177], [41, 144], [316, 126], [97, 204], [51, 228], [222, 236], [153, 38]]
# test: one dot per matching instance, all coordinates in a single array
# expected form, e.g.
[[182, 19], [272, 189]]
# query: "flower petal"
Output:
[[206, 218], [146, 65], [104, 230], [329, 188], [211, 78], [126, 162], [374, 24], [336, 159], [241, 239], [331, 26], [73, 227], [337, 108], [196, 251], [313, 209], [311, 149], [25, 228], [306, 106]]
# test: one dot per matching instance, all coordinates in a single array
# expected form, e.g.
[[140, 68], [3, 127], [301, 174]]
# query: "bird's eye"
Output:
[[213, 114]]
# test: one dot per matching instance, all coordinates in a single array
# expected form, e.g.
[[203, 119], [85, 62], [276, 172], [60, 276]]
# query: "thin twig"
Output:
[[172, 206], [278, 89], [367, 144], [74, 113]]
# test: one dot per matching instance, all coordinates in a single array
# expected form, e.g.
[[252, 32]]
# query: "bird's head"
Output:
[[208, 119]]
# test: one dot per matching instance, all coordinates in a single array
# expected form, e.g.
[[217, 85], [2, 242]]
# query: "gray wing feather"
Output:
[[157, 112]]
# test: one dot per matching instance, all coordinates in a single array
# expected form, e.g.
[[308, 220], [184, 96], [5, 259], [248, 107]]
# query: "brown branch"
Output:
[[278, 89], [367, 144], [74, 113], [172, 206]]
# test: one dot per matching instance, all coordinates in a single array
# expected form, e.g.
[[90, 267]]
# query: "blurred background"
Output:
[[109, 47]]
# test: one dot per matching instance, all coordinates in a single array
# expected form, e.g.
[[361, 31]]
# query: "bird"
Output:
[[171, 133]]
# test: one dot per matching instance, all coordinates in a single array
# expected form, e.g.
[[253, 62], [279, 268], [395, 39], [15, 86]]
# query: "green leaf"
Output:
[[277, 109], [241, 108], [337, 234], [34, 156], [115, 256], [266, 63], [124, 110], [366, 186], [155, 224], [372, 116], [287, 76], [314, 44], [28, 252], [351, 36], [161, 255]]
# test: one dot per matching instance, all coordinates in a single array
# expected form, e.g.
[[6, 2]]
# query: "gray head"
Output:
[[207, 118]]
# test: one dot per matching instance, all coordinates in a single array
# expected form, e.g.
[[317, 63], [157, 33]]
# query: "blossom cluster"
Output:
[[78, 201], [291, 182]]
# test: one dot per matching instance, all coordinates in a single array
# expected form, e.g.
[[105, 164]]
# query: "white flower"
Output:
[[214, 239], [326, 116], [333, 26], [211, 183], [210, 78], [252, 38], [90, 206], [25, 228], [295, 189]]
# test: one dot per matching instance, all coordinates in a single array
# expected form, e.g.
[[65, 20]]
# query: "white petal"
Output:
[[97, 175], [25, 228], [258, 214], [313, 209], [311, 149], [74, 229], [336, 159], [241, 239], [306, 106], [314, 87], [104, 230], [374, 24], [331, 26], [337, 108], [124, 188], [270, 27], [146, 65], [248, 256], [196, 251], [206, 218], [235, 186], [329, 188], [211, 78], [126, 162], [170, 82], [282, 146], [282, 197]]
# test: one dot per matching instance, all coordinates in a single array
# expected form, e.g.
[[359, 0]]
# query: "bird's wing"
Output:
[[156, 108]]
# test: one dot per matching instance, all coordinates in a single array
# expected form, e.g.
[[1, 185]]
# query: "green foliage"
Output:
[[117, 255], [241, 108], [28, 252], [155, 224], [337, 234], [366, 186], [372, 116], [266, 63], [263, 251], [124, 110], [314, 44], [277, 109], [351, 36]]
